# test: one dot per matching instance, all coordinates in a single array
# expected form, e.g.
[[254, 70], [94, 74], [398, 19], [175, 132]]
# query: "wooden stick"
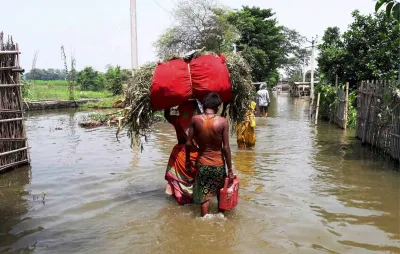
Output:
[[316, 111], [14, 151], [10, 85], [11, 120], [10, 111], [6, 68], [346, 105], [12, 139], [364, 136], [11, 52], [21, 104], [394, 135], [14, 164], [12, 68]]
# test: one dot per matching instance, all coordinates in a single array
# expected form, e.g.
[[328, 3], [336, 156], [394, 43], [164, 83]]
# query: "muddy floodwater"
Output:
[[304, 189]]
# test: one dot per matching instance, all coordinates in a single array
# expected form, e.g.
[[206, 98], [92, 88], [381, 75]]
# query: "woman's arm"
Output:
[[167, 113], [227, 149], [170, 118], [225, 105], [189, 146]]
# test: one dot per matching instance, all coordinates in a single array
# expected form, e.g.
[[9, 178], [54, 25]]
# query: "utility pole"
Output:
[[134, 48], [304, 69], [336, 83], [313, 42]]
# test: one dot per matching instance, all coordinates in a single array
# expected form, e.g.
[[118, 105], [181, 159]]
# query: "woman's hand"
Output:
[[188, 166], [231, 176]]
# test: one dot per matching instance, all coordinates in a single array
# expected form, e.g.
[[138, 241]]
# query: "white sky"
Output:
[[98, 31]]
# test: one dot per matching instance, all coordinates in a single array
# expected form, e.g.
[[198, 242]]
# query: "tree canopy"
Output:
[[261, 39], [265, 44], [368, 50], [45, 74], [197, 24]]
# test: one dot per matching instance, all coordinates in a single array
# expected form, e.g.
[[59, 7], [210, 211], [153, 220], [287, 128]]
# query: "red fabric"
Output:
[[210, 74], [173, 84]]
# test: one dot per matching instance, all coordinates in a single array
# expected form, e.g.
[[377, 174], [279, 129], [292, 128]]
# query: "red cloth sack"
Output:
[[210, 74], [171, 84], [174, 82]]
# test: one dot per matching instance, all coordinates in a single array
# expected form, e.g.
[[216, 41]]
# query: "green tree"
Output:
[[372, 44], [295, 53], [368, 50], [332, 57], [392, 8], [43, 74], [89, 80], [114, 79], [197, 24], [262, 41]]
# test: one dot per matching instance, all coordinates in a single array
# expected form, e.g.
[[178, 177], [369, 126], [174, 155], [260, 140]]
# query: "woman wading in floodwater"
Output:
[[212, 135], [180, 181]]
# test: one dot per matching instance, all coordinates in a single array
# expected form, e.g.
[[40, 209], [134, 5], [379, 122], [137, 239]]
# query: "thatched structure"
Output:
[[13, 141]]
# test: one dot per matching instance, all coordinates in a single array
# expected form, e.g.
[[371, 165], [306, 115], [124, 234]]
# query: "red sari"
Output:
[[180, 181]]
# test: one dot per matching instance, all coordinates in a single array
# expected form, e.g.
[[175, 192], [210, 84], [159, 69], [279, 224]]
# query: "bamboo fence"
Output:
[[341, 109], [339, 113], [13, 141], [378, 114]]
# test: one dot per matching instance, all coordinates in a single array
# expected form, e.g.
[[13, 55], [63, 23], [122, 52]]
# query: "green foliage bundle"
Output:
[[140, 116]]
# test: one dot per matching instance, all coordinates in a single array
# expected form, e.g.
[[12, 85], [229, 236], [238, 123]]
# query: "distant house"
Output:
[[282, 86], [298, 89]]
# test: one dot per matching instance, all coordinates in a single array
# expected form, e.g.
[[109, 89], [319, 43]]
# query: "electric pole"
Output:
[[313, 42], [304, 69], [134, 48]]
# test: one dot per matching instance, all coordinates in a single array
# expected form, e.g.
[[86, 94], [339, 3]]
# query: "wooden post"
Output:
[[346, 106], [316, 111], [364, 136]]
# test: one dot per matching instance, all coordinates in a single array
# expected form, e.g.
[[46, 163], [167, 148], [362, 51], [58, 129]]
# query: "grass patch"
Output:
[[105, 103], [49, 82], [59, 91]]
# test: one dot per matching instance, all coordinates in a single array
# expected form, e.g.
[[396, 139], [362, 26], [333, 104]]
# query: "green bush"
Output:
[[114, 78], [329, 100], [90, 80]]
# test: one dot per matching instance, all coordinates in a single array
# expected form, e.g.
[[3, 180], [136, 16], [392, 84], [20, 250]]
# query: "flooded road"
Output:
[[304, 189]]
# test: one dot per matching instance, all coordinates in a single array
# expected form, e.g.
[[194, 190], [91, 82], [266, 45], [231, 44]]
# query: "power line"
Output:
[[176, 4], [162, 7]]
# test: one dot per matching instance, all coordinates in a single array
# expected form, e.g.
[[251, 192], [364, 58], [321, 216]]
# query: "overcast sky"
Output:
[[98, 31]]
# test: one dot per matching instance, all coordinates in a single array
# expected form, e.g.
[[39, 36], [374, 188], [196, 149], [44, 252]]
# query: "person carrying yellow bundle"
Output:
[[246, 136]]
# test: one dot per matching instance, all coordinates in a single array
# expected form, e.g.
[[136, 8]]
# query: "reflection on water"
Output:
[[304, 189]]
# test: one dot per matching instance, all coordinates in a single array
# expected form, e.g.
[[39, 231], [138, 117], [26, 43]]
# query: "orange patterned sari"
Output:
[[180, 182]]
